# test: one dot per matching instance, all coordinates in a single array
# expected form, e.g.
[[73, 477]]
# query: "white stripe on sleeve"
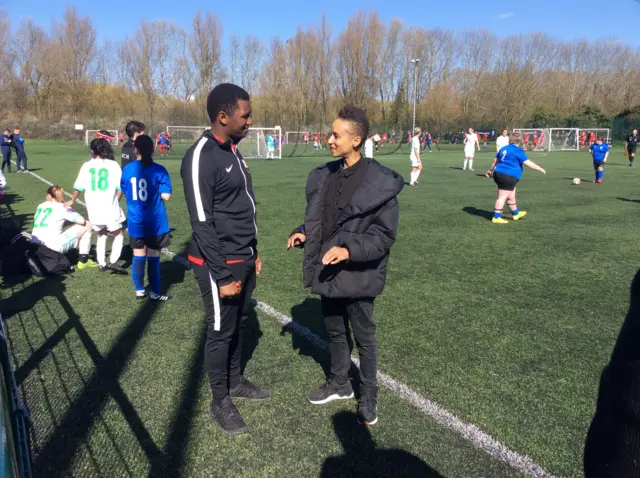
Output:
[[195, 176]]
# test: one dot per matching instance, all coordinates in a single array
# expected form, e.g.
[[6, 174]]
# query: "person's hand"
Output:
[[335, 255], [230, 290], [543, 171], [296, 240], [258, 264], [488, 173], [68, 204]]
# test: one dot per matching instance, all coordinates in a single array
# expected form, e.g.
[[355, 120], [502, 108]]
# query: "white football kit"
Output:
[[368, 148], [501, 142], [470, 145], [99, 180], [415, 149], [48, 223]]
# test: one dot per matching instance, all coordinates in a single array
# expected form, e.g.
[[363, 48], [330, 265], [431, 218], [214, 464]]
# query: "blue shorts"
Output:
[[597, 164]]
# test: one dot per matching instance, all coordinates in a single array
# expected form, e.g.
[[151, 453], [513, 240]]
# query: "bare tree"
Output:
[[251, 62], [235, 55], [206, 50]]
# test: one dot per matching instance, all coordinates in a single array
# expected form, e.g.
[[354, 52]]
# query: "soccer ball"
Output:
[[576, 181]]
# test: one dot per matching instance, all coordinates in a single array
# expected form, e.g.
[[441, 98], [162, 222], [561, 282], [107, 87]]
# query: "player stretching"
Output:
[[632, 145], [507, 171], [146, 186], [600, 153], [416, 163], [99, 180], [49, 220], [471, 143]]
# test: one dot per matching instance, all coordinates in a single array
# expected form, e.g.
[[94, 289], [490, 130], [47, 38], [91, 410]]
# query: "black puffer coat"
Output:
[[367, 227]]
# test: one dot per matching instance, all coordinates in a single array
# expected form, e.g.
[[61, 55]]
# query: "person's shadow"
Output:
[[362, 458], [478, 212]]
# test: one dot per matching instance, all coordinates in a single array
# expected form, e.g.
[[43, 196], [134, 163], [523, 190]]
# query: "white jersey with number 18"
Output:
[[99, 180]]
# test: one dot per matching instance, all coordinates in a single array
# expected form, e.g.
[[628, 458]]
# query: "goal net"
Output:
[[563, 139], [534, 139], [297, 137], [90, 135], [263, 143], [186, 134], [586, 134]]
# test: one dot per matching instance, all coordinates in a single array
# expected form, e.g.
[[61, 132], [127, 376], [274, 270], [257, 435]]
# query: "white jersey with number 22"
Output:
[[49, 221]]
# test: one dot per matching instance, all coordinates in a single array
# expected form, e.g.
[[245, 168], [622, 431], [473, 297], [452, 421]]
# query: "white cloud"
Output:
[[502, 16]]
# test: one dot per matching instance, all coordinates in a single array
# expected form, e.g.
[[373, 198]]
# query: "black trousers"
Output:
[[226, 319], [338, 314], [6, 158]]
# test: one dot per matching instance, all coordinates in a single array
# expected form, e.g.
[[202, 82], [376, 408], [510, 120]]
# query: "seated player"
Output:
[[146, 186], [48, 224], [600, 153], [99, 180]]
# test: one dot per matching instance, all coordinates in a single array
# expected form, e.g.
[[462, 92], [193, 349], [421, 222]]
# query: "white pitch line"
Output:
[[468, 431]]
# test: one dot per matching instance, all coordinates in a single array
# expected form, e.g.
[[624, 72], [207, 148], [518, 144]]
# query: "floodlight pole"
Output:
[[415, 62]]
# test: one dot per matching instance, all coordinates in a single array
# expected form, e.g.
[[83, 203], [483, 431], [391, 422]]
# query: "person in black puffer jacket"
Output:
[[349, 227], [612, 447]]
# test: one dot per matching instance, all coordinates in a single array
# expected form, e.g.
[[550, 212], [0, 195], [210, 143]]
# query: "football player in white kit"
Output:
[[470, 144], [416, 164], [49, 221], [99, 180]]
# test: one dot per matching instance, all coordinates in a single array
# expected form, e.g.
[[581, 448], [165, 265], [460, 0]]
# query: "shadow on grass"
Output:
[[628, 200], [478, 212], [76, 419], [309, 337], [362, 458]]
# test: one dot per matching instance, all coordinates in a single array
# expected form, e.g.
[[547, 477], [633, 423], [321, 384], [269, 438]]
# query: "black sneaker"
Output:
[[228, 417], [248, 390], [116, 269], [330, 391], [367, 410]]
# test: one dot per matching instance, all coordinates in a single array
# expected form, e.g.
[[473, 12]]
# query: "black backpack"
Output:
[[22, 256]]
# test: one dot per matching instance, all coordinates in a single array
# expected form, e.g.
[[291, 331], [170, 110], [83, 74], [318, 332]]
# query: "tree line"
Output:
[[57, 75]]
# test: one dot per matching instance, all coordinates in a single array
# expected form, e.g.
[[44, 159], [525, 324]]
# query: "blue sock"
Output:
[[153, 271], [515, 211], [599, 175], [137, 272], [497, 214]]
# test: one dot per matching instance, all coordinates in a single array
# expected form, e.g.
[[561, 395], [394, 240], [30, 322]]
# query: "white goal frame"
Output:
[[90, 134], [302, 133], [252, 147], [542, 144], [604, 132], [570, 142]]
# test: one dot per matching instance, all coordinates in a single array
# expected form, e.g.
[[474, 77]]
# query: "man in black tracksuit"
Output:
[[349, 227], [128, 151], [219, 194], [5, 145]]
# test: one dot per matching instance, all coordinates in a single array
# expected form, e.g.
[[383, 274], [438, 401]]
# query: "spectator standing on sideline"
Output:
[[128, 153], [5, 144], [18, 144], [349, 227], [219, 195], [368, 147]]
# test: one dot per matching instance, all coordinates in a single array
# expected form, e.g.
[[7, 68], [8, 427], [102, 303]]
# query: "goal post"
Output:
[[255, 145], [297, 137], [604, 132], [564, 139], [90, 135], [262, 143]]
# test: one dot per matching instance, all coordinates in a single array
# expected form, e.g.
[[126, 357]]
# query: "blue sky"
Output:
[[565, 20]]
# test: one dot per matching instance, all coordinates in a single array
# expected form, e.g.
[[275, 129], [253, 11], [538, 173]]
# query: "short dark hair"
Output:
[[224, 97], [144, 145], [358, 118], [134, 127], [102, 148]]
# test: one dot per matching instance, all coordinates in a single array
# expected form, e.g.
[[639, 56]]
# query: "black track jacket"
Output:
[[219, 193], [127, 153]]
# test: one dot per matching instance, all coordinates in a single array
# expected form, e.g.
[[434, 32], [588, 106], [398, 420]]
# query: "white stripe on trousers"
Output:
[[216, 303]]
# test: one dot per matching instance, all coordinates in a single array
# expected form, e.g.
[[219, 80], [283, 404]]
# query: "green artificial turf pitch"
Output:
[[507, 326]]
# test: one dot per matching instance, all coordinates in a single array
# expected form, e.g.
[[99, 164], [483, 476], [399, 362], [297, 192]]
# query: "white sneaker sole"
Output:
[[368, 424], [331, 398]]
